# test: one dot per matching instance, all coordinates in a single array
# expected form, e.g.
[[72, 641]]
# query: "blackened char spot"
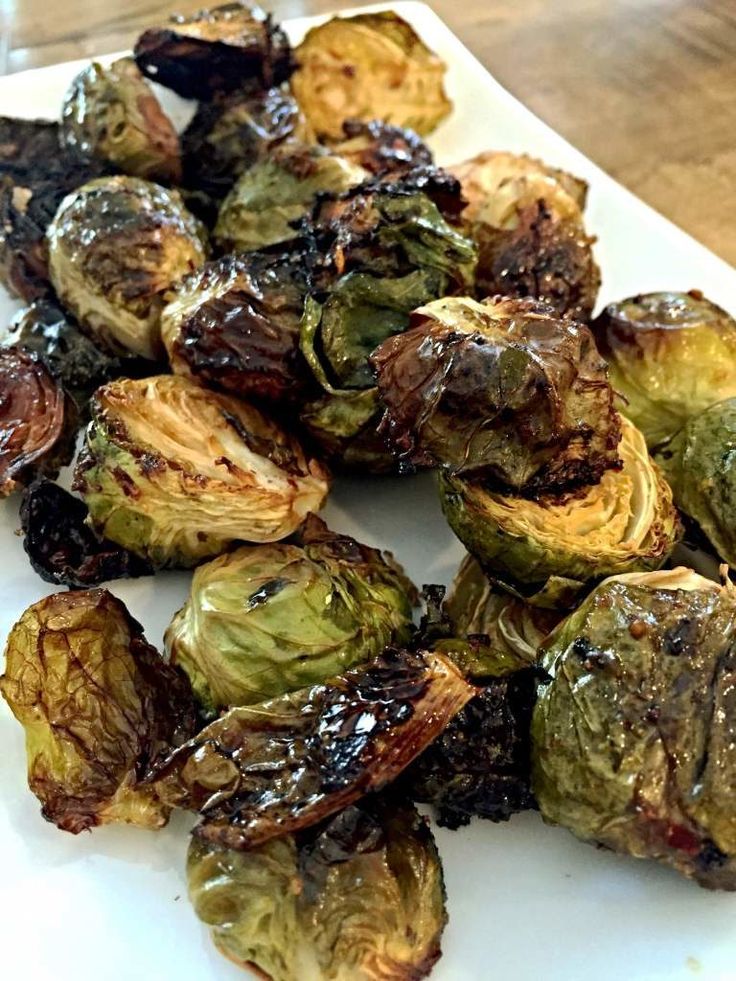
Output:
[[265, 592]]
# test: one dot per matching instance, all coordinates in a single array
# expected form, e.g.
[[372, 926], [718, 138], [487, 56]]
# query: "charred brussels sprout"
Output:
[[501, 391], [63, 548], [490, 633], [700, 464], [527, 221], [98, 705], [361, 896], [270, 198], [235, 325], [269, 619], [176, 473], [369, 66], [388, 248], [116, 246], [230, 135], [381, 148], [671, 355], [80, 365], [35, 176], [216, 51], [111, 113], [268, 770], [633, 740], [557, 543], [479, 766], [37, 421]]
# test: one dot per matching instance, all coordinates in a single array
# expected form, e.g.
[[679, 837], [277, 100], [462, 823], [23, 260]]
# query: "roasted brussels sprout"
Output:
[[557, 543], [176, 473], [501, 391], [361, 896], [35, 175], [235, 325], [269, 199], [268, 770], [269, 619], [37, 421], [527, 221], [388, 248], [479, 766], [115, 247], [98, 704], [81, 366], [381, 148], [671, 355], [488, 633], [699, 464], [633, 740], [231, 134], [112, 113], [369, 66], [62, 548], [232, 46]]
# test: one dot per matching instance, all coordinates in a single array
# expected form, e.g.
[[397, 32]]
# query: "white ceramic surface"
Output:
[[526, 902]]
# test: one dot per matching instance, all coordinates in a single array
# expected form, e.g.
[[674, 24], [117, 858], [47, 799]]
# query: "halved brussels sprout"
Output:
[[671, 355], [633, 741], [232, 46], [111, 112], [479, 766], [231, 134], [78, 363], [269, 619], [388, 248], [369, 66], [116, 246], [489, 632], [381, 148], [176, 473], [361, 896], [700, 465], [268, 770], [37, 421], [63, 548], [627, 522], [273, 194], [527, 221], [98, 705], [235, 325], [35, 176], [502, 391]]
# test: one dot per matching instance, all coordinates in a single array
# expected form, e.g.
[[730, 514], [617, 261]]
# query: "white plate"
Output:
[[525, 901]]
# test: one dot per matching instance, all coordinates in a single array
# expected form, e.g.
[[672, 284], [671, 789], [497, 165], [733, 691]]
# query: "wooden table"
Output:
[[646, 88]]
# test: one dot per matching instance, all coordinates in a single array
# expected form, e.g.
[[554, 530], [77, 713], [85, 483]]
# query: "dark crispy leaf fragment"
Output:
[[479, 766], [99, 706], [360, 896], [63, 548], [381, 148], [216, 51], [267, 770], [35, 176], [37, 420]]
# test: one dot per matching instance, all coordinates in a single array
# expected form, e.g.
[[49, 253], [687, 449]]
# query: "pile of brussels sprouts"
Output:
[[291, 288]]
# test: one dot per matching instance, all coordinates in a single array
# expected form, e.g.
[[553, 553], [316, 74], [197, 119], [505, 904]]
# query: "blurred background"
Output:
[[646, 88]]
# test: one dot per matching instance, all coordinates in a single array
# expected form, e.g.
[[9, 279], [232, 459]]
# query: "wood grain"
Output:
[[646, 89]]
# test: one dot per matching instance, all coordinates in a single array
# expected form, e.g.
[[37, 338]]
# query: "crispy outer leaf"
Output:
[[98, 705], [361, 896], [263, 771], [634, 740]]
